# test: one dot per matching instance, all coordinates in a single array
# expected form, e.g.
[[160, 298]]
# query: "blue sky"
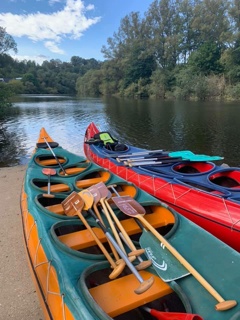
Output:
[[60, 29]]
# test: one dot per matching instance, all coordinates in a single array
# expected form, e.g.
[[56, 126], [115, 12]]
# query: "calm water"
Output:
[[207, 128]]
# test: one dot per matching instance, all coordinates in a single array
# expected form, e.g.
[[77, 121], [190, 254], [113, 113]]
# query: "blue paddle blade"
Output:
[[165, 264], [189, 155]]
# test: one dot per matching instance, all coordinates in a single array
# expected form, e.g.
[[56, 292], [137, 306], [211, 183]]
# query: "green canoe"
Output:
[[75, 279]]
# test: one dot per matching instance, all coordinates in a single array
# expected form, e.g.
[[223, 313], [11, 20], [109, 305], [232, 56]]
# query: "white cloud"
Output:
[[38, 58], [70, 22], [52, 46], [52, 2]]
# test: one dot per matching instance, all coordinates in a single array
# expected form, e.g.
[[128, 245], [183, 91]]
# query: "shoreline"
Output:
[[18, 297]]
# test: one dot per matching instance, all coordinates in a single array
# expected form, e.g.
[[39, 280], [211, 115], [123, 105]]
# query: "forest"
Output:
[[179, 49]]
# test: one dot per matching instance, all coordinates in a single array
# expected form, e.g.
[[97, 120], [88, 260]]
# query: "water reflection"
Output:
[[210, 128]]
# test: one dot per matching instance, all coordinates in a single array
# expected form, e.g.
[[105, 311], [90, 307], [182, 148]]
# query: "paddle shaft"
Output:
[[154, 162], [186, 264], [139, 153], [118, 223], [163, 158], [153, 155], [111, 224], [145, 284], [50, 148], [110, 244], [96, 194], [127, 240], [99, 243], [49, 172]]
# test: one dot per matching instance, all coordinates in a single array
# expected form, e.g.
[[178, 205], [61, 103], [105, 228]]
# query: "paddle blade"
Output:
[[95, 192], [102, 189], [72, 204], [202, 157], [129, 206], [88, 199], [189, 155], [49, 171], [165, 264]]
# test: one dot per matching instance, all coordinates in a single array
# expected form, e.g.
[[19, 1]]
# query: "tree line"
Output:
[[186, 49]]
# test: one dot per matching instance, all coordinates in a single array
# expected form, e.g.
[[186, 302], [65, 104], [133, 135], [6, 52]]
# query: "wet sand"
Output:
[[18, 298]]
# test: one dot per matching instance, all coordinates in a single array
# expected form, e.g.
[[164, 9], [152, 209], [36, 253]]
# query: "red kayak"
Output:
[[200, 190]]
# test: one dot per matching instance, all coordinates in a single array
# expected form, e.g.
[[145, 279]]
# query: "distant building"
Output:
[[6, 80]]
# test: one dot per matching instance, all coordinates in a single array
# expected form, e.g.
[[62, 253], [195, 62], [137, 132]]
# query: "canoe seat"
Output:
[[93, 178], [50, 162], [80, 240], [71, 171], [56, 208], [60, 187], [83, 239], [117, 296]]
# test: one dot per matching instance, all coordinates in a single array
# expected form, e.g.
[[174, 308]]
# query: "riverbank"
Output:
[[18, 298]]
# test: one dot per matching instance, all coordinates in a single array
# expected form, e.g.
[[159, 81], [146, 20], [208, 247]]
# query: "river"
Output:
[[211, 128]]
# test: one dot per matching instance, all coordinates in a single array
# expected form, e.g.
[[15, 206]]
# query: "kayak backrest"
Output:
[[105, 137]]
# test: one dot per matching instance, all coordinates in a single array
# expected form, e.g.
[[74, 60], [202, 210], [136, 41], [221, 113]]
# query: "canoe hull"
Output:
[[213, 211]]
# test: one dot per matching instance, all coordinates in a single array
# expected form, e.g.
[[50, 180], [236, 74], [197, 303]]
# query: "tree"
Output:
[[206, 59], [7, 42], [138, 66], [211, 22], [5, 95], [164, 27]]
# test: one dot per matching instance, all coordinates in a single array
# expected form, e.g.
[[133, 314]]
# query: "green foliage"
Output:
[[184, 88], [16, 86], [7, 42], [233, 92], [206, 59], [161, 82], [188, 49], [89, 84], [138, 66], [5, 95]]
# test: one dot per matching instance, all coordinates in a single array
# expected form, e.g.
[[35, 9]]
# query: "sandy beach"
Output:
[[18, 299]]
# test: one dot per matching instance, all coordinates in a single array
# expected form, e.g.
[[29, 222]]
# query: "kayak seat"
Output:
[[117, 296], [72, 171], [82, 239], [57, 188], [56, 208], [105, 137], [93, 178], [50, 161], [106, 140]]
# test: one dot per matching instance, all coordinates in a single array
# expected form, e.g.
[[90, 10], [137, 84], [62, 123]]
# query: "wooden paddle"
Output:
[[73, 205], [144, 284], [125, 237], [133, 209], [97, 196], [56, 158], [49, 172]]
